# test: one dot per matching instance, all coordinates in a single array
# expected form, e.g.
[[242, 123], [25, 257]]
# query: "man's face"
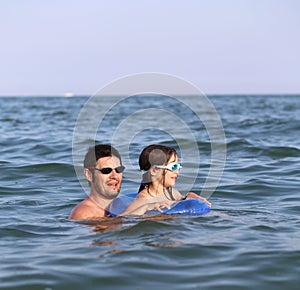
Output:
[[107, 185]]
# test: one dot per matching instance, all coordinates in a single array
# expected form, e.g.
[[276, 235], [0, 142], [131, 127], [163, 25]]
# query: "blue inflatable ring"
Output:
[[186, 206]]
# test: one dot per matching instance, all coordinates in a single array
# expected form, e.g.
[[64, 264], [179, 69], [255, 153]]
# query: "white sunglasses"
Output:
[[173, 166]]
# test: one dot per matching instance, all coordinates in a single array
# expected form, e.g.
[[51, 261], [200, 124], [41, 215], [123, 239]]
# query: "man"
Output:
[[103, 169]]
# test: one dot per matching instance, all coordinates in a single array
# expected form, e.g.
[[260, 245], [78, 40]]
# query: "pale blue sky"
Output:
[[49, 47]]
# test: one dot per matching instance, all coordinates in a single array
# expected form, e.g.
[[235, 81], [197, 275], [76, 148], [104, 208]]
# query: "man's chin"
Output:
[[114, 193]]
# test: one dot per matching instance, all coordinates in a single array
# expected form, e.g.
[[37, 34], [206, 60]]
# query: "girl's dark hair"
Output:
[[154, 154]]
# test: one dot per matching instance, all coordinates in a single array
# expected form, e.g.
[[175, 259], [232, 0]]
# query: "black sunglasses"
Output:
[[108, 170]]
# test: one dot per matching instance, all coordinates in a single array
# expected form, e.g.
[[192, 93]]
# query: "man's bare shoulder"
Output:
[[86, 210]]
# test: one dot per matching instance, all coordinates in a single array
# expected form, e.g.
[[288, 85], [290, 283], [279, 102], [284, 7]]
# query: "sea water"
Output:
[[249, 240]]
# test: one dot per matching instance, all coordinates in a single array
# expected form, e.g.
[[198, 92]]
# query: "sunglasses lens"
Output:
[[120, 169], [175, 166], [107, 170]]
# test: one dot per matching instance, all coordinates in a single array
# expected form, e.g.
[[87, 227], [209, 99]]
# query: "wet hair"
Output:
[[99, 151], [154, 154]]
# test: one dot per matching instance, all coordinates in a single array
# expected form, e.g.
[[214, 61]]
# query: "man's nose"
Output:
[[114, 173]]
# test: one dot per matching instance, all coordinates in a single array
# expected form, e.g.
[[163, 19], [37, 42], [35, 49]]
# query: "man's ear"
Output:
[[88, 174]]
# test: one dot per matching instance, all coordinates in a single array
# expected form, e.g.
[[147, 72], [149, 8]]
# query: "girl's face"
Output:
[[169, 177]]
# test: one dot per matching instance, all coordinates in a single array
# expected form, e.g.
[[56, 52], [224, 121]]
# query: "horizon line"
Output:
[[89, 95]]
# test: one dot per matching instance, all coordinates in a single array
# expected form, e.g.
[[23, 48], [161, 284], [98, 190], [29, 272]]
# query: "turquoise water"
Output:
[[249, 240]]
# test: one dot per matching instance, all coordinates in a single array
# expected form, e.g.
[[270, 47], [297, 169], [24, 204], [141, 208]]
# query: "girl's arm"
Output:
[[140, 206], [190, 195], [194, 195]]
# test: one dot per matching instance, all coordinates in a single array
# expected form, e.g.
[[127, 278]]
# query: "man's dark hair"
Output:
[[99, 151]]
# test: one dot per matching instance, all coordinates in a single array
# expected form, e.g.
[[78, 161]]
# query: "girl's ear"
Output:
[[155, 172], [88, 174], [152, 171]]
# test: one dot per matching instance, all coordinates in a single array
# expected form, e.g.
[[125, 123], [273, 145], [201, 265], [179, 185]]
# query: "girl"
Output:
[[160, 168]]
